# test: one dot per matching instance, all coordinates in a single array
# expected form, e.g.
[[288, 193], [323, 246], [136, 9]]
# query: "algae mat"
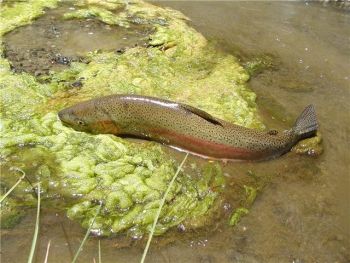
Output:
[[79, 171]]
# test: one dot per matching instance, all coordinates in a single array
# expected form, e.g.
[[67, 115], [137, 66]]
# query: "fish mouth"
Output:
[[64, 123], [61, 115]]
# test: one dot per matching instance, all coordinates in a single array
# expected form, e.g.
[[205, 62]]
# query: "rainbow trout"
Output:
[[185, 127]]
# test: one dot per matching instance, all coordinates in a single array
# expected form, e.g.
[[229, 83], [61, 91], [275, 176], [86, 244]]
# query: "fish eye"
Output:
[[81, 123]]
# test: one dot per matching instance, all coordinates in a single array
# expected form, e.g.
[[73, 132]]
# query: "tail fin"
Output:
[[306, 124]]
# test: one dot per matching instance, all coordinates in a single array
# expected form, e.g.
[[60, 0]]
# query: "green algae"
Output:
[[10, 214], [22, 13], [310, 146], [128, 178], [237, 215], [250, 193], [260, 63], [100, 13]]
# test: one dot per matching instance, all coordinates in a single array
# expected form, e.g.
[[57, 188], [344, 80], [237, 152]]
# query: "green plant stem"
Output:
[[12, 188], [36, 231], [99, 252], [86, 235], [160, 209]]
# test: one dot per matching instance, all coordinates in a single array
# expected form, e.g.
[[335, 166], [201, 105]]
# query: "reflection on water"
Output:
[[303, 215]]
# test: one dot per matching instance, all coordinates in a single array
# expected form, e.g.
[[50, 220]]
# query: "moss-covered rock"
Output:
[[310, 146], [128, 178]]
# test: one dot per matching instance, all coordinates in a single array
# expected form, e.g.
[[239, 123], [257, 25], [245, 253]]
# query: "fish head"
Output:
[[77, 117], [86, 117]]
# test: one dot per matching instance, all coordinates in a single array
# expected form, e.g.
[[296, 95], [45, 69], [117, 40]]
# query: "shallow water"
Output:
[[303, 215], [52, 43]]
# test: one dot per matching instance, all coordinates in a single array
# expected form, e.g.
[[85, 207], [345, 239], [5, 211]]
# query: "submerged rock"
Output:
[[311, 146], [128, 178]]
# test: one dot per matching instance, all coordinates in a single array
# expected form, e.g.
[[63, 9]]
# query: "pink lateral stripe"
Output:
[[204, 147]]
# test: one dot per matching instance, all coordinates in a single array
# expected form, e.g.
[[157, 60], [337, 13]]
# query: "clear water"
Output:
[[303, 215]]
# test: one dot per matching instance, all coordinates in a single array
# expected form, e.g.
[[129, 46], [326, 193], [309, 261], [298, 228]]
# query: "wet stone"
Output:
[[77, 84], [60, 59]]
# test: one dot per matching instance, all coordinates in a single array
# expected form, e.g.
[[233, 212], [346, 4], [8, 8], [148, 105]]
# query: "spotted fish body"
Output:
[[184, 127]]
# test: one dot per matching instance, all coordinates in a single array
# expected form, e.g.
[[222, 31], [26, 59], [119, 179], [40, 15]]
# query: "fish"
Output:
[[184, 127]]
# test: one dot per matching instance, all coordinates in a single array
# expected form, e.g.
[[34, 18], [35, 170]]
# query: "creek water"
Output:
[[303, 214]]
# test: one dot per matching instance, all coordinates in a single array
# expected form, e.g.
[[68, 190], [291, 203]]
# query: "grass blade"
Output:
[[99, 252], [47, 251], [13, 187], [86, 235], [160, 209], [36, 231]]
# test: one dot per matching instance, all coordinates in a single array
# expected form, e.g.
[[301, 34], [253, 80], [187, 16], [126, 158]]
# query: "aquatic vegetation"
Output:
[[100, 13], [36, 230], [22, 13], [11, 213], [258, 64], [310, 146], [86, 235], [237, 214], [246, 203], [12, 188], [161, 204], [128, 178]]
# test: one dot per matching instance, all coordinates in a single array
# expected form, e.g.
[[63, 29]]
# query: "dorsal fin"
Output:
[[201, 114]]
